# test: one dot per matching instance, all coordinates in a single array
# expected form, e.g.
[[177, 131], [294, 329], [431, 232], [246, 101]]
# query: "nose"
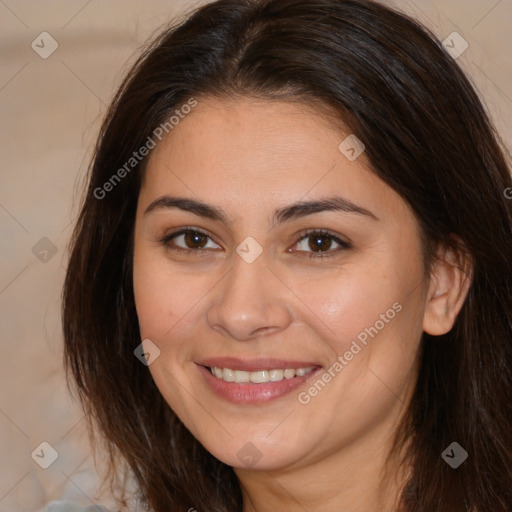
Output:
[[249, 301]]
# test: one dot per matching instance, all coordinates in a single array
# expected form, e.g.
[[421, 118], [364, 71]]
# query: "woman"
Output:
[[289, 285]]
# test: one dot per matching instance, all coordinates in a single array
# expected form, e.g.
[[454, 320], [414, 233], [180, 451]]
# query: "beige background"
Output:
[[50, 113]]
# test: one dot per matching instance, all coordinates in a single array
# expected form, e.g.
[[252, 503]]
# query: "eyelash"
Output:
[[200, 252]]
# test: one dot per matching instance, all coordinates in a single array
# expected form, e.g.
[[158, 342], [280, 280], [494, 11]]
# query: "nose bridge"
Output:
[[248, 300]]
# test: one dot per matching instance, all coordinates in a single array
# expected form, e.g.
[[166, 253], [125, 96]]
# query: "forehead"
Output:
[[248, 133], [260, 152]]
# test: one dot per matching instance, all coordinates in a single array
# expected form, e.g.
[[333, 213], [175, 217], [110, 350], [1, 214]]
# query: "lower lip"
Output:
[[252, 394]]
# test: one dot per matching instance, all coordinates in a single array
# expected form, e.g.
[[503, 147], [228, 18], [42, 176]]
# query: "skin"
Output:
[[250, 157]]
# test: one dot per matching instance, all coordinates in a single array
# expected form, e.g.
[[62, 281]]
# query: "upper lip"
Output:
[[253, 365]]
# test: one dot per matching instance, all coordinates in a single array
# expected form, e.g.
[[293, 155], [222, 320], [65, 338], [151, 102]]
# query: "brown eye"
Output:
[[194, 240], [316, 243], [189, 240], [319, 242]]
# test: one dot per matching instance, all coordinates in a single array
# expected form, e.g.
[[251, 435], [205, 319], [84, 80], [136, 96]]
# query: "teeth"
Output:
[[260, 376], [240, 376], [276, 375], [289, 373], [227, 375]]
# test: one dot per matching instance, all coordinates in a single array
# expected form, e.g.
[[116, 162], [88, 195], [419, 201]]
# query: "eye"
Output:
[[321, 243], [318, 243], [188, 240]]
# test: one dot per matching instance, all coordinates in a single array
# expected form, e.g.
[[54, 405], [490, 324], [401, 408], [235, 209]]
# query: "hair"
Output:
[[427, 135]]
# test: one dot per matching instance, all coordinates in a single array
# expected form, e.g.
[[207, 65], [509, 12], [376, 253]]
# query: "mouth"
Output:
[[260, 376], [254, 382]]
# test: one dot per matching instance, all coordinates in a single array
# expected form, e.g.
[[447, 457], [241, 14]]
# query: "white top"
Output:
[[69, 506]]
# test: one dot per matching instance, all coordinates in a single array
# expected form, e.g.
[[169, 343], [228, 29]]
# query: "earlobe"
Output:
[[449, 284]]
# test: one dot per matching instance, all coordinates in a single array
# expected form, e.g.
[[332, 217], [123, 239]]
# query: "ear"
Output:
[[450, 279]]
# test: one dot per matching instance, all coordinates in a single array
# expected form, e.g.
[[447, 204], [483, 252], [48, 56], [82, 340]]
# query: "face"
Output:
[[270, 257]]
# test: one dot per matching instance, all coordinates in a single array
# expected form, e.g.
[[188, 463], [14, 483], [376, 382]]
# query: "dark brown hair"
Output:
[[426, 134]]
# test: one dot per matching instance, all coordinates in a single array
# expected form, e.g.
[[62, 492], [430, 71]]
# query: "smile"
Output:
[[259, 377], [254, 382]]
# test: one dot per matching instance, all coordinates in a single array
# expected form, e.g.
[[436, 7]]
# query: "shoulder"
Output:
[[69, 506]]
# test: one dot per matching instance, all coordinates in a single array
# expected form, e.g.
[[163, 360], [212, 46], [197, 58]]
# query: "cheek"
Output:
[[370, 311], [165, 300], [342, 304], [375, 345], [165, 297], [378, 332]]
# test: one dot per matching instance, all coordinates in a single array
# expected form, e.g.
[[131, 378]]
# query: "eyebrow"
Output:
[[281, 215]]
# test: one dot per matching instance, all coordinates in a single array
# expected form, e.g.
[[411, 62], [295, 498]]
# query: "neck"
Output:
[[361, 477]]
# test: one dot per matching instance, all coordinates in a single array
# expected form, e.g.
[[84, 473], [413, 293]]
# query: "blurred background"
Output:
[[60, 64]]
